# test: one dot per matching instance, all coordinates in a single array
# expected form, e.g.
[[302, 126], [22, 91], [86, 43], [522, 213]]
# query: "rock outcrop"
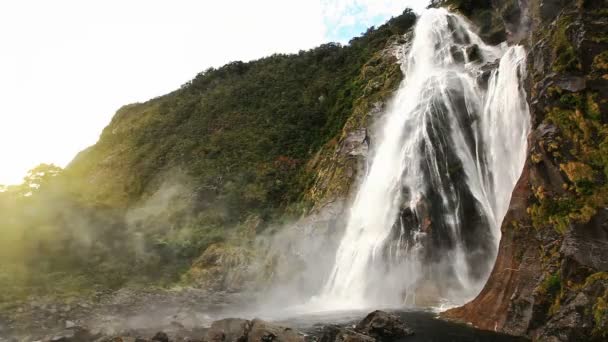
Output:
[[550, 280], [383, 326]]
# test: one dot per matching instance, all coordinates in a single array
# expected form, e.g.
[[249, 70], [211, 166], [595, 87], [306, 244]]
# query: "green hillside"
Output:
[[217, 160]]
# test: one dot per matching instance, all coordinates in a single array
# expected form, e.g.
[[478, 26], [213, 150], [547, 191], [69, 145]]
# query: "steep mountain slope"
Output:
[[550, 281], [215, 162]]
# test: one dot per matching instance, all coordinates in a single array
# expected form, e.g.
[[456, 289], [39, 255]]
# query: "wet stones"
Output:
[[376, 326], [240, 330]]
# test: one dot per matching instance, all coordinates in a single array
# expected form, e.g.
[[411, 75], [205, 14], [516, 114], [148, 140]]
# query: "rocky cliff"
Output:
[[550, 280]]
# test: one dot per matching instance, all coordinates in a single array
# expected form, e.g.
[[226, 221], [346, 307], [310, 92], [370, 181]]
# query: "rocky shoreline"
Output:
[[376, 326]]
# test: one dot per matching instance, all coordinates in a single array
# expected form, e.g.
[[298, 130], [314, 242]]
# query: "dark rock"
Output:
[[549, 9], [571, 83], [333, 333], [262, 331], [569, 324], [472, 52], [229, 330], [383, 326], [160, 337], [584, 248], [356, 143], [487, 71]]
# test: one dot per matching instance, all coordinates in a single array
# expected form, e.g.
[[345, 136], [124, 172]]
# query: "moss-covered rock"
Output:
[[548, 280]]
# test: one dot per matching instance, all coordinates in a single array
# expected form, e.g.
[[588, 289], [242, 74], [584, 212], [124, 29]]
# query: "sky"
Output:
[[66, 66]]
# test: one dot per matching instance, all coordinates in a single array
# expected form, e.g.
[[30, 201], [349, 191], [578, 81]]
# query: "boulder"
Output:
[[383, 326], [160, 337], [334, 333]]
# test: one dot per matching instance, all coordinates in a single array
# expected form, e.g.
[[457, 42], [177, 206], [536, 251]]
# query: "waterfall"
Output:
[[425, 224]]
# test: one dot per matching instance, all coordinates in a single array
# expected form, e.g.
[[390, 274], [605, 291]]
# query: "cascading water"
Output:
[[425, 223]]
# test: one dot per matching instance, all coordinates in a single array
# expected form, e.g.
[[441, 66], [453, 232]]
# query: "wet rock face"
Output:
[[550, 280], [585, 248], [356, 143], [383, 326]]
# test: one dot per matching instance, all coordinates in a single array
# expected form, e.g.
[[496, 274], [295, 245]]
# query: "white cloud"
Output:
[[361, 14]]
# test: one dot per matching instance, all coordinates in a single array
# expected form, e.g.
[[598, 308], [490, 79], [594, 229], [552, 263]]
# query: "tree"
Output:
[[38, 177]]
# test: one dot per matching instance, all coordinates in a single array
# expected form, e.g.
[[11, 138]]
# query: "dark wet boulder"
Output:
[[160, 337], [334, 333], [383, 326]]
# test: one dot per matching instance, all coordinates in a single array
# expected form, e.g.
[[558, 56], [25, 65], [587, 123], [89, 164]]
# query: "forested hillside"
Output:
[[218, 160]]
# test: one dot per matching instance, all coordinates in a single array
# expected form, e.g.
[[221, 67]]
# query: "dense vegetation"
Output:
[[218, 159]]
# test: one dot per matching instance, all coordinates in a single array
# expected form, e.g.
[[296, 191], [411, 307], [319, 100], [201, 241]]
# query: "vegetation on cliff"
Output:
[[215, 161], [549, 280]]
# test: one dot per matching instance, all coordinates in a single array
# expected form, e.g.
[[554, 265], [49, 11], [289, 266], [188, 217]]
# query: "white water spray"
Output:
[[425, 222]]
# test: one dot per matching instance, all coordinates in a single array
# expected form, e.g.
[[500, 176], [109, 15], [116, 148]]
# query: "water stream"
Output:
[[425, 224]]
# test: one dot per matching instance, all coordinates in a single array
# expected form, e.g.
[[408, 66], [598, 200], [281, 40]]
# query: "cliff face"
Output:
[[550, 281]]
